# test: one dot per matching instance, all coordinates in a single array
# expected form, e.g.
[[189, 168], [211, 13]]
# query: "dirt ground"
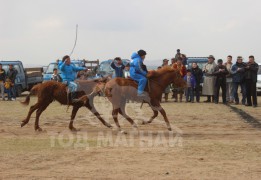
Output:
[[208, 142]]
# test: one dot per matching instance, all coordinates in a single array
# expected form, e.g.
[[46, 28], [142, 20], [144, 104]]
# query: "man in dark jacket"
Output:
[[251, 70], [237, 72], [198, 74], [2, 80], [11, 74], [118, 67], [220, 72]]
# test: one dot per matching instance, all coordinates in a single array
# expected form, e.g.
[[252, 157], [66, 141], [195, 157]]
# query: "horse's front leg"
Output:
[[74, 112], [163, 113]]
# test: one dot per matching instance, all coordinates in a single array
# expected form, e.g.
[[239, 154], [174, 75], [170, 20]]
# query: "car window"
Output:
[[16, 66], [50, 68]]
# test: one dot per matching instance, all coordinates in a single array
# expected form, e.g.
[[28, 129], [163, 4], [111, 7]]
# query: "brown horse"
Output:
[[54, 91], [118, 90]]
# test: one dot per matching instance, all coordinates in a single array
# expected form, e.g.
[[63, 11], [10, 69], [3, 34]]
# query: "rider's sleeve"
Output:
[[78, 68], [138, 67], [113, 65], [61, 66]]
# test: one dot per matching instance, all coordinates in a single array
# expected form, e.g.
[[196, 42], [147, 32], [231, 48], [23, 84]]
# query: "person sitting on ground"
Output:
[[237, 72], [137, 71], [68, 71], [191, 85], [56, 77], [251, 70], [198, 74], [220, 72], [118, 67], [8, 86]]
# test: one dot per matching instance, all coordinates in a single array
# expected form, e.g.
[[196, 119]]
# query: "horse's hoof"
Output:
[[38, 129], [123, 132], [23, 124], [73, 129], [135, 126], [108, 125], [144, 122]]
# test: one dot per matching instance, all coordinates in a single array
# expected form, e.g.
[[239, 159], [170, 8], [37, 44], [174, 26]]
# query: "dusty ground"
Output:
[[208, 142]]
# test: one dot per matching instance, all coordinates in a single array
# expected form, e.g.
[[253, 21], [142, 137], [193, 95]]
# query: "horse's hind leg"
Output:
[[115, 118], [123, 113], [155, 114], [38, 114], [32, 109], [74, 112], [94, 111]]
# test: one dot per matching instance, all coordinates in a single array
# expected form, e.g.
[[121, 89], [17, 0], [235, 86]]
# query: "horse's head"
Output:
[[178, 81]]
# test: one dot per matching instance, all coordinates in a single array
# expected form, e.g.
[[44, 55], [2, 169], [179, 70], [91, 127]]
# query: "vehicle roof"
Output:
[[197, 59], [10, 62]]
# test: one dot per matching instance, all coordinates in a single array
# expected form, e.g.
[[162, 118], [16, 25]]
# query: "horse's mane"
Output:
[[161, 71]]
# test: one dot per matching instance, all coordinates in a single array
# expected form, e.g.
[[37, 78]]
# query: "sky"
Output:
[[39, 32]]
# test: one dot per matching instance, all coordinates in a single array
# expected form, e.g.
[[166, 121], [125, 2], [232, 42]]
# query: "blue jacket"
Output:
[[238, 76], [118, 69], [68, 72], [192, 81], [136, 65]]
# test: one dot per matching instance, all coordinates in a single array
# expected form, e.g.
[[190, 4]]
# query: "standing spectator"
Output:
[[191, 85], [2, 81], [178, 55], [237, 72], [210, 79], [184, 59], [229, 84], [220, 72], [198, 74], [118, 66], [167, 90], [182, 70], [56, 77], [251, 70], [173, 61], [8, 86], [127, 71], [11, 74]]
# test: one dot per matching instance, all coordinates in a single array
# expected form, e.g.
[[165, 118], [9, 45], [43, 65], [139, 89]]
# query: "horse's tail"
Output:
[[33, 91]]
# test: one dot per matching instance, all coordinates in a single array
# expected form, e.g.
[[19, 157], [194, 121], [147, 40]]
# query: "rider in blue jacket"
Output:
[[68, 71], [137, 72]]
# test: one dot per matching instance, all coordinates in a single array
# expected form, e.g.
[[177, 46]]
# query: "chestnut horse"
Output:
[[118, 90], [55, 91]]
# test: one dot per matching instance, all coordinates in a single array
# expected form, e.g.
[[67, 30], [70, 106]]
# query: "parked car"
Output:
[[258, 84], [26, 77]]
